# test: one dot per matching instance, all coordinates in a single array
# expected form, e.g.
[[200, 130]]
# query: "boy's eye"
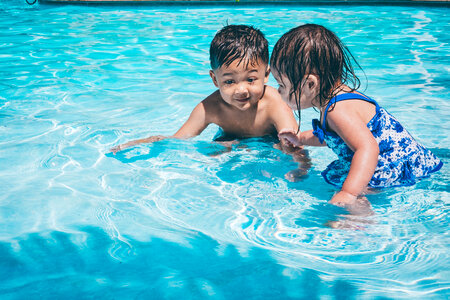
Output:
[[251, 79], [229, 81]]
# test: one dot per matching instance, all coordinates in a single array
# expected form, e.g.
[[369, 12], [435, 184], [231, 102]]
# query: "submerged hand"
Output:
[[289, 137], [121, 147], [358, 206], [150, 139], [118, 148], [343, 198]]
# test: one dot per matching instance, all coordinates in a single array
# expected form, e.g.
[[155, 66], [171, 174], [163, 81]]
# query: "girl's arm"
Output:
[[192, 127], [305, 138], [351, 127], [308, 138]]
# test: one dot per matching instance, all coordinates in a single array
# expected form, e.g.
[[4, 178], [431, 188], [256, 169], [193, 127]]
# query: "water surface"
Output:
[[188, 219]]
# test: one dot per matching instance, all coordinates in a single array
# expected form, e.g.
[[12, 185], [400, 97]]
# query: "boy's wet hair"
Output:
[[238, 42], [313, 49]]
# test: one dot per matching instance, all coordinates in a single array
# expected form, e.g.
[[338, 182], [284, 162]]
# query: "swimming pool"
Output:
[[186, 219]]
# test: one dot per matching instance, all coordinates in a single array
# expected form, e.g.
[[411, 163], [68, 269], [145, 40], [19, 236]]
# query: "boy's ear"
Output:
[[213, 77]]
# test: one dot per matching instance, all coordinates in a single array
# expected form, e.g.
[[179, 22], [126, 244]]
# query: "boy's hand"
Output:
[[116, 149], [289, 137], [150, 139]]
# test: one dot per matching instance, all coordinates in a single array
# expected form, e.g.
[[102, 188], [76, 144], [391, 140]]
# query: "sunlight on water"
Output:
[[191, 219]]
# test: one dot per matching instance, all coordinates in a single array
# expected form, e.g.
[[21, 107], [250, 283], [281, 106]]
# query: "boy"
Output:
[[243, 106]]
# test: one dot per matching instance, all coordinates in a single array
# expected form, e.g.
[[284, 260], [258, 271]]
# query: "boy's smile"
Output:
[[241, 85]]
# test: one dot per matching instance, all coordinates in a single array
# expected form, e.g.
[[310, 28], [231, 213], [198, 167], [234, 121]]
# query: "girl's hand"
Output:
[[289, 137], [357, 206], [343, 199]]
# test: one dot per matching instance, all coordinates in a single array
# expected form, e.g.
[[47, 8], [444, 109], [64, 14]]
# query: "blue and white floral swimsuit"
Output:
[[401, 160]]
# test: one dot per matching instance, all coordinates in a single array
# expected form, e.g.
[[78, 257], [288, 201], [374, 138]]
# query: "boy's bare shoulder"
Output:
[[211, 105], [211, 102], [213, 98]]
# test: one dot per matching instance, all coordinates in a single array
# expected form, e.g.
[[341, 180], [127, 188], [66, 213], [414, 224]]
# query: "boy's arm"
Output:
[[196, 123], [286, 124], [284, 121], [126, 145], [281, 114], [192, 127]]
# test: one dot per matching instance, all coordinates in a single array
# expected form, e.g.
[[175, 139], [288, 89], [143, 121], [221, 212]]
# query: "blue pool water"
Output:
[[186, 219]]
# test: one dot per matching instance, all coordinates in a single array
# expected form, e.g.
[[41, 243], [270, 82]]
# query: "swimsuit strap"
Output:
[[347, 96]]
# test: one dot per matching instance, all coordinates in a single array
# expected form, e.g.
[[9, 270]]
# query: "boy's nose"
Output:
[[241, 89]]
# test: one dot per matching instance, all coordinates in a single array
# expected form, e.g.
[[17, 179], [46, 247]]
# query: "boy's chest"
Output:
[[246, 125]]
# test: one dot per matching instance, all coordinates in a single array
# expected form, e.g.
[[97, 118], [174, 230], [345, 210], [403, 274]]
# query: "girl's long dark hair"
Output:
[[313, 49]]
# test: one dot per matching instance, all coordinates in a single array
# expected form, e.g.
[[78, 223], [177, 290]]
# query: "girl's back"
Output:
[[401, 160]]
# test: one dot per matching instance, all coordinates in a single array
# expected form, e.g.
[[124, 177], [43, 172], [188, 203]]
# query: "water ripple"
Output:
[[83, 79]]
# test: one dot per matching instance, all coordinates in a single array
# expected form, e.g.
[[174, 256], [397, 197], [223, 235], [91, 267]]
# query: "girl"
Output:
[[313, 69]]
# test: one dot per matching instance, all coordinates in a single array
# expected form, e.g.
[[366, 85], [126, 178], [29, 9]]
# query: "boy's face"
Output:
[[241, 86]]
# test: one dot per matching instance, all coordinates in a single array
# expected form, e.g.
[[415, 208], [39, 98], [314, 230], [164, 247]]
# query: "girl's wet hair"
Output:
[[238, 42], [313, 49]]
